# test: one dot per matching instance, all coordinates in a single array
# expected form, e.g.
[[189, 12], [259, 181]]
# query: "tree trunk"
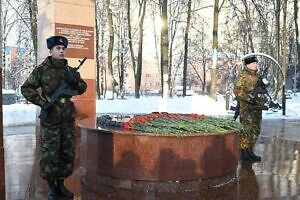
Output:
[[186, 45], [103, 81], [110, 47], [164, 48], [33, 25], [138, 75], [122, 67], [248, 24], [213, 84], [121, 48], [277, 40], [277, 13], [284, 53], [2, 172], [203, 56], [204, 89], [1, 42], [98, 92], [133, 61], [170, 68], [297, 39], [172, 31], [156, 45]]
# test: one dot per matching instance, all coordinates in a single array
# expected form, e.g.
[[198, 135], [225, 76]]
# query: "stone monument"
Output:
[[74, 19]]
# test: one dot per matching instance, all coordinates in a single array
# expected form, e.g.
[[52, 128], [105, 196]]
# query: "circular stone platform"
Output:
[[136, 156]]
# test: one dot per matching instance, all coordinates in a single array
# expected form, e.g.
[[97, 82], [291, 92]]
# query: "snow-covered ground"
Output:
[[25, 114]]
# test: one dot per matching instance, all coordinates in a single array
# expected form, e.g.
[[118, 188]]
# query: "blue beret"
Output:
[[57, 40], [250, 59]]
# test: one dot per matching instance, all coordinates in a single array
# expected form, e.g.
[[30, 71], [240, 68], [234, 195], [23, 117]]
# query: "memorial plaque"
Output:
[[81, 39]]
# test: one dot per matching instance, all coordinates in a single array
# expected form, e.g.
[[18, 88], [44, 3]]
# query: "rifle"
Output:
[[237, 110], [260, 88], [59, 91]]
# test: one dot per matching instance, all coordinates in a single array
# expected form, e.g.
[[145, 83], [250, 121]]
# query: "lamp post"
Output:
[[295, 78]]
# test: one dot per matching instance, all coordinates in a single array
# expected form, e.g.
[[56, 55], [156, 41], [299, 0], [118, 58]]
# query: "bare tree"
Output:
[[284, 52], [101, 30], [98, 24], [130, 41], [20, 17], [1, 47], [110, 47], [186, 41], [201, 55], [33, 11], [137, 65], [296, 9], [2, 183], [156, 37], [121, 30], [277, 24], [9, 22], [248, 24], [1, 57], [246, 21], [138, 75], [175, 15], [164, 48], [213, 85]]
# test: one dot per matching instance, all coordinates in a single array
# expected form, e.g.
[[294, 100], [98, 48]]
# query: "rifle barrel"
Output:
[[81, 63]]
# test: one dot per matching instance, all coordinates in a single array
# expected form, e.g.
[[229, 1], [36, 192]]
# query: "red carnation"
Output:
[[126, 126]]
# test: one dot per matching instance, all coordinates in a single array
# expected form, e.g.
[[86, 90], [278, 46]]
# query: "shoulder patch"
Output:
[[31, 78]]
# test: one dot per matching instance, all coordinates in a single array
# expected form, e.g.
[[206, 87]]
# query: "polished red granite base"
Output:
[[275, 177], [137, 156], [101, 187]]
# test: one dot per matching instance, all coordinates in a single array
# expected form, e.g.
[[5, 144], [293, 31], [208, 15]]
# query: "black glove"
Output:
[[73, 76], [252, 101], [47, 106], [265, 107]]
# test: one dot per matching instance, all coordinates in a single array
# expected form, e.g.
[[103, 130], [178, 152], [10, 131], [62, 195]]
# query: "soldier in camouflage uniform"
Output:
[[58, 135], [250, 108]]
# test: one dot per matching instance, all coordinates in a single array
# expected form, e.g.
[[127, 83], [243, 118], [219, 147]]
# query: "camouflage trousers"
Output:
[[253, 120], [58, 143]]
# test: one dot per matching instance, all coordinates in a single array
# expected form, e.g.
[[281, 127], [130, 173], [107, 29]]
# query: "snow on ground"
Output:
[[19, 114], [190, 104], [25, 114]]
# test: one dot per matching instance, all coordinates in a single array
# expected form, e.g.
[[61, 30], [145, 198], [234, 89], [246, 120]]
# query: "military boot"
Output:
[[245, 156], [254, 157], [52, 194], [62, 189]]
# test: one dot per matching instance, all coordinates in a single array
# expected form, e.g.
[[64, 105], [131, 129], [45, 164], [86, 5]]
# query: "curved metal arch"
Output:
[[283, 82], [268, 56]]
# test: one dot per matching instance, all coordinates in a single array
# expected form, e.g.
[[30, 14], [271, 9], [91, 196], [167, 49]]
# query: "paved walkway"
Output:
[[277, 176]]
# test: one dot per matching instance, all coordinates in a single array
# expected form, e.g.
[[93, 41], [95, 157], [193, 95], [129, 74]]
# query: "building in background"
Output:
[[17, 64]]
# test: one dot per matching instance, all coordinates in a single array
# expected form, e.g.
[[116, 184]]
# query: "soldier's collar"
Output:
[[251, 71], [58, 62]]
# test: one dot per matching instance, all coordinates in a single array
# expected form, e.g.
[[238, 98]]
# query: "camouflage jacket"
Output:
[[244, 87], [43, 81]]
